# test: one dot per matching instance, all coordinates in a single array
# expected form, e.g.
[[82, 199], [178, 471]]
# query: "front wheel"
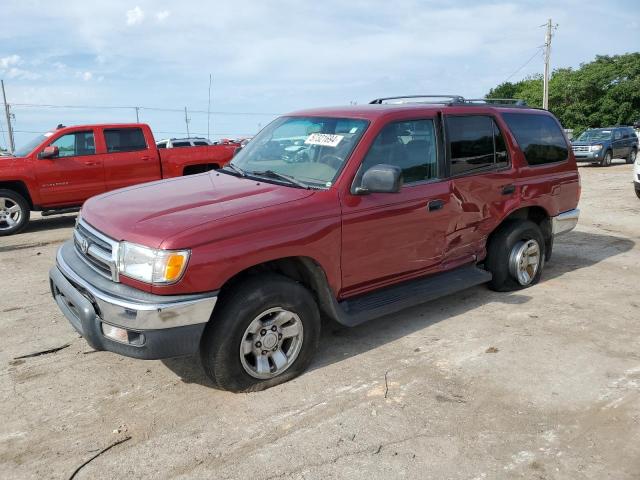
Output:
[[14, 212], [632, 156], [515, 256], [606, 160], [264, 333]]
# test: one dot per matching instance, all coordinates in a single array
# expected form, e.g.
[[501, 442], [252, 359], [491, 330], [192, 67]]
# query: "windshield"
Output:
[[28, 148], [311, 150], [595, 135]]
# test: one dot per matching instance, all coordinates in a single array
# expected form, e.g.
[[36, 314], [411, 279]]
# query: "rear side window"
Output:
[[538, 136], [475, 142], [124, 140], [200, 144], [162, 145], [180, 144]]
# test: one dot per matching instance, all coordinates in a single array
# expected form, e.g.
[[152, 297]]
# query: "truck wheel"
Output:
[[515, 256], [265, 333], [632, 156], [638, 192], [606, 160], [14, 212]]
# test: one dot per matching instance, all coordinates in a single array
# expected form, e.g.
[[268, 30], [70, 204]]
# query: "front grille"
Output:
[[96, 250], [580, 148]]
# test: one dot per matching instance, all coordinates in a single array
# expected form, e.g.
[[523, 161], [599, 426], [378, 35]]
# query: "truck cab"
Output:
[[60, 169]]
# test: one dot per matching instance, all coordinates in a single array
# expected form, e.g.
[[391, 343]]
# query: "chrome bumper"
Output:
[[565, 222], [158, 326], [156, 312]]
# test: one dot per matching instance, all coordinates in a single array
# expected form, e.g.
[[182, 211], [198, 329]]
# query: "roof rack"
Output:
[[451, 100], [414, 99]]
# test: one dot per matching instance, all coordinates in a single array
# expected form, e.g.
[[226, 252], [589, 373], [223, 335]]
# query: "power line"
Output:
[[229, 134], [524, 64], [121, 107]]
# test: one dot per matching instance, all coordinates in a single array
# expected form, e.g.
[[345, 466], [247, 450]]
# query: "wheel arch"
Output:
[[304, 270], [536, 214], [18, 187]]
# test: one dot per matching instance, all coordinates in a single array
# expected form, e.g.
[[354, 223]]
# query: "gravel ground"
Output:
[[543, 383]]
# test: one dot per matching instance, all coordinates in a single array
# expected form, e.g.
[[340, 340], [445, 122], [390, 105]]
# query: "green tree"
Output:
[[604, 92]]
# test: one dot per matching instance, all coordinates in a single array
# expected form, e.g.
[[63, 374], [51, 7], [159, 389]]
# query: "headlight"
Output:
[[150, 265], [596, 148]]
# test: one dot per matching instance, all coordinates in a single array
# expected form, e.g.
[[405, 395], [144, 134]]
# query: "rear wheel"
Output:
[[515, 256], [264, 333], [638, 192], [14, 212], [632, 156], [606, 160]]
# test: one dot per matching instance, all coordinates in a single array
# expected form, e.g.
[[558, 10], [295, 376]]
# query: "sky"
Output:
[[270, 58]]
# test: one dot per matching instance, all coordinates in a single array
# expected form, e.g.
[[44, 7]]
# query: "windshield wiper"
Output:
[[281, 176], [238, 170]]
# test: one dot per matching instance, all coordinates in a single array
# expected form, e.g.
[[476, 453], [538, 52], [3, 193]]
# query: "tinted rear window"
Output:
[[180, 144], [538, 136], [200, 144], [124, 140]]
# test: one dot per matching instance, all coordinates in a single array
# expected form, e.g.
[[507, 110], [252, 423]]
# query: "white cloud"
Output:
[[135, 16], [11, 60], [162, 15], [86, 76]]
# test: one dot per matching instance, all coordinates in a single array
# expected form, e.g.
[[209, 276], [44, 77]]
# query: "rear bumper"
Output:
[[565, 222], [158, 326]]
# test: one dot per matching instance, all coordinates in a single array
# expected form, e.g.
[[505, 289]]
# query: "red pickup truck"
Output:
[[342, 213], [61, 169]]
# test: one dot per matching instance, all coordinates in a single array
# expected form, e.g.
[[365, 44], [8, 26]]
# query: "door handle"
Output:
[[435, 205], [145, 158], [90, 163], [508, 190]]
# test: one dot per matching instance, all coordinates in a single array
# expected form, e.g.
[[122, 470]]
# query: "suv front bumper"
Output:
[[156, 326]]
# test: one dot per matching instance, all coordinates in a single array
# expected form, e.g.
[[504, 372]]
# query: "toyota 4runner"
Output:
[[344, 213]]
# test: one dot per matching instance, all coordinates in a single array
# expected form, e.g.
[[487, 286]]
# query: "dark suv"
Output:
[[601, 145]]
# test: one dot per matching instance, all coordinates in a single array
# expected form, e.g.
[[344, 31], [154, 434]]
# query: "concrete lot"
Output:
[[542, 383]]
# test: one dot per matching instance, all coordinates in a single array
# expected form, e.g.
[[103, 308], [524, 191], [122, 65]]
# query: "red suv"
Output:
[[344, 213]]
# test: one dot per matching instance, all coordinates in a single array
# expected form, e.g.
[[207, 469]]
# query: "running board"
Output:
[[354, 311]]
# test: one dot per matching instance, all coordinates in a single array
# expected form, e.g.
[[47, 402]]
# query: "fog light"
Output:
[[115, 333]]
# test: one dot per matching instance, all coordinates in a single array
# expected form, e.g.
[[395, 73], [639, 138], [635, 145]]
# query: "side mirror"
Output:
[[380, 178], [49, 152]]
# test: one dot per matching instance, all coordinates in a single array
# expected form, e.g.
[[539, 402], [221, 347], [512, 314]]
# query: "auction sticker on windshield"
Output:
[[324, 139]]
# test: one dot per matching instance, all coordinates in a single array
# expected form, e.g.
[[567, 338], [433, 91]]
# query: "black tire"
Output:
[[499, 251], [24, 214], [220, 345], [638, 192], [606, 160], [631, 158]]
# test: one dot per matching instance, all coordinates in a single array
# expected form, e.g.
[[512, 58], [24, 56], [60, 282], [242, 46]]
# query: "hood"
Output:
[[149, 213], [583, 143]]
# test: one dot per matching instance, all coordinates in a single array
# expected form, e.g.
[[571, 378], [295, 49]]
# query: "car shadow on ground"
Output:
[[50, 223], [573, 251]]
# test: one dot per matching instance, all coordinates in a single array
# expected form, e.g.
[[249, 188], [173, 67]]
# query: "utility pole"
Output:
[[186, 120], [547, 54], [137, 114], [209, 109], [7, 112]]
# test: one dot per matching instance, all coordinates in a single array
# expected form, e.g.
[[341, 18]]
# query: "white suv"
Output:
[[183, 142]]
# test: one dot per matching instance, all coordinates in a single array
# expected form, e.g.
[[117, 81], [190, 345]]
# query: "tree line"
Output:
[[601, 93]]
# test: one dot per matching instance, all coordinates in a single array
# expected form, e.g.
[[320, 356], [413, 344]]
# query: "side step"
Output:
[[357, 310]]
